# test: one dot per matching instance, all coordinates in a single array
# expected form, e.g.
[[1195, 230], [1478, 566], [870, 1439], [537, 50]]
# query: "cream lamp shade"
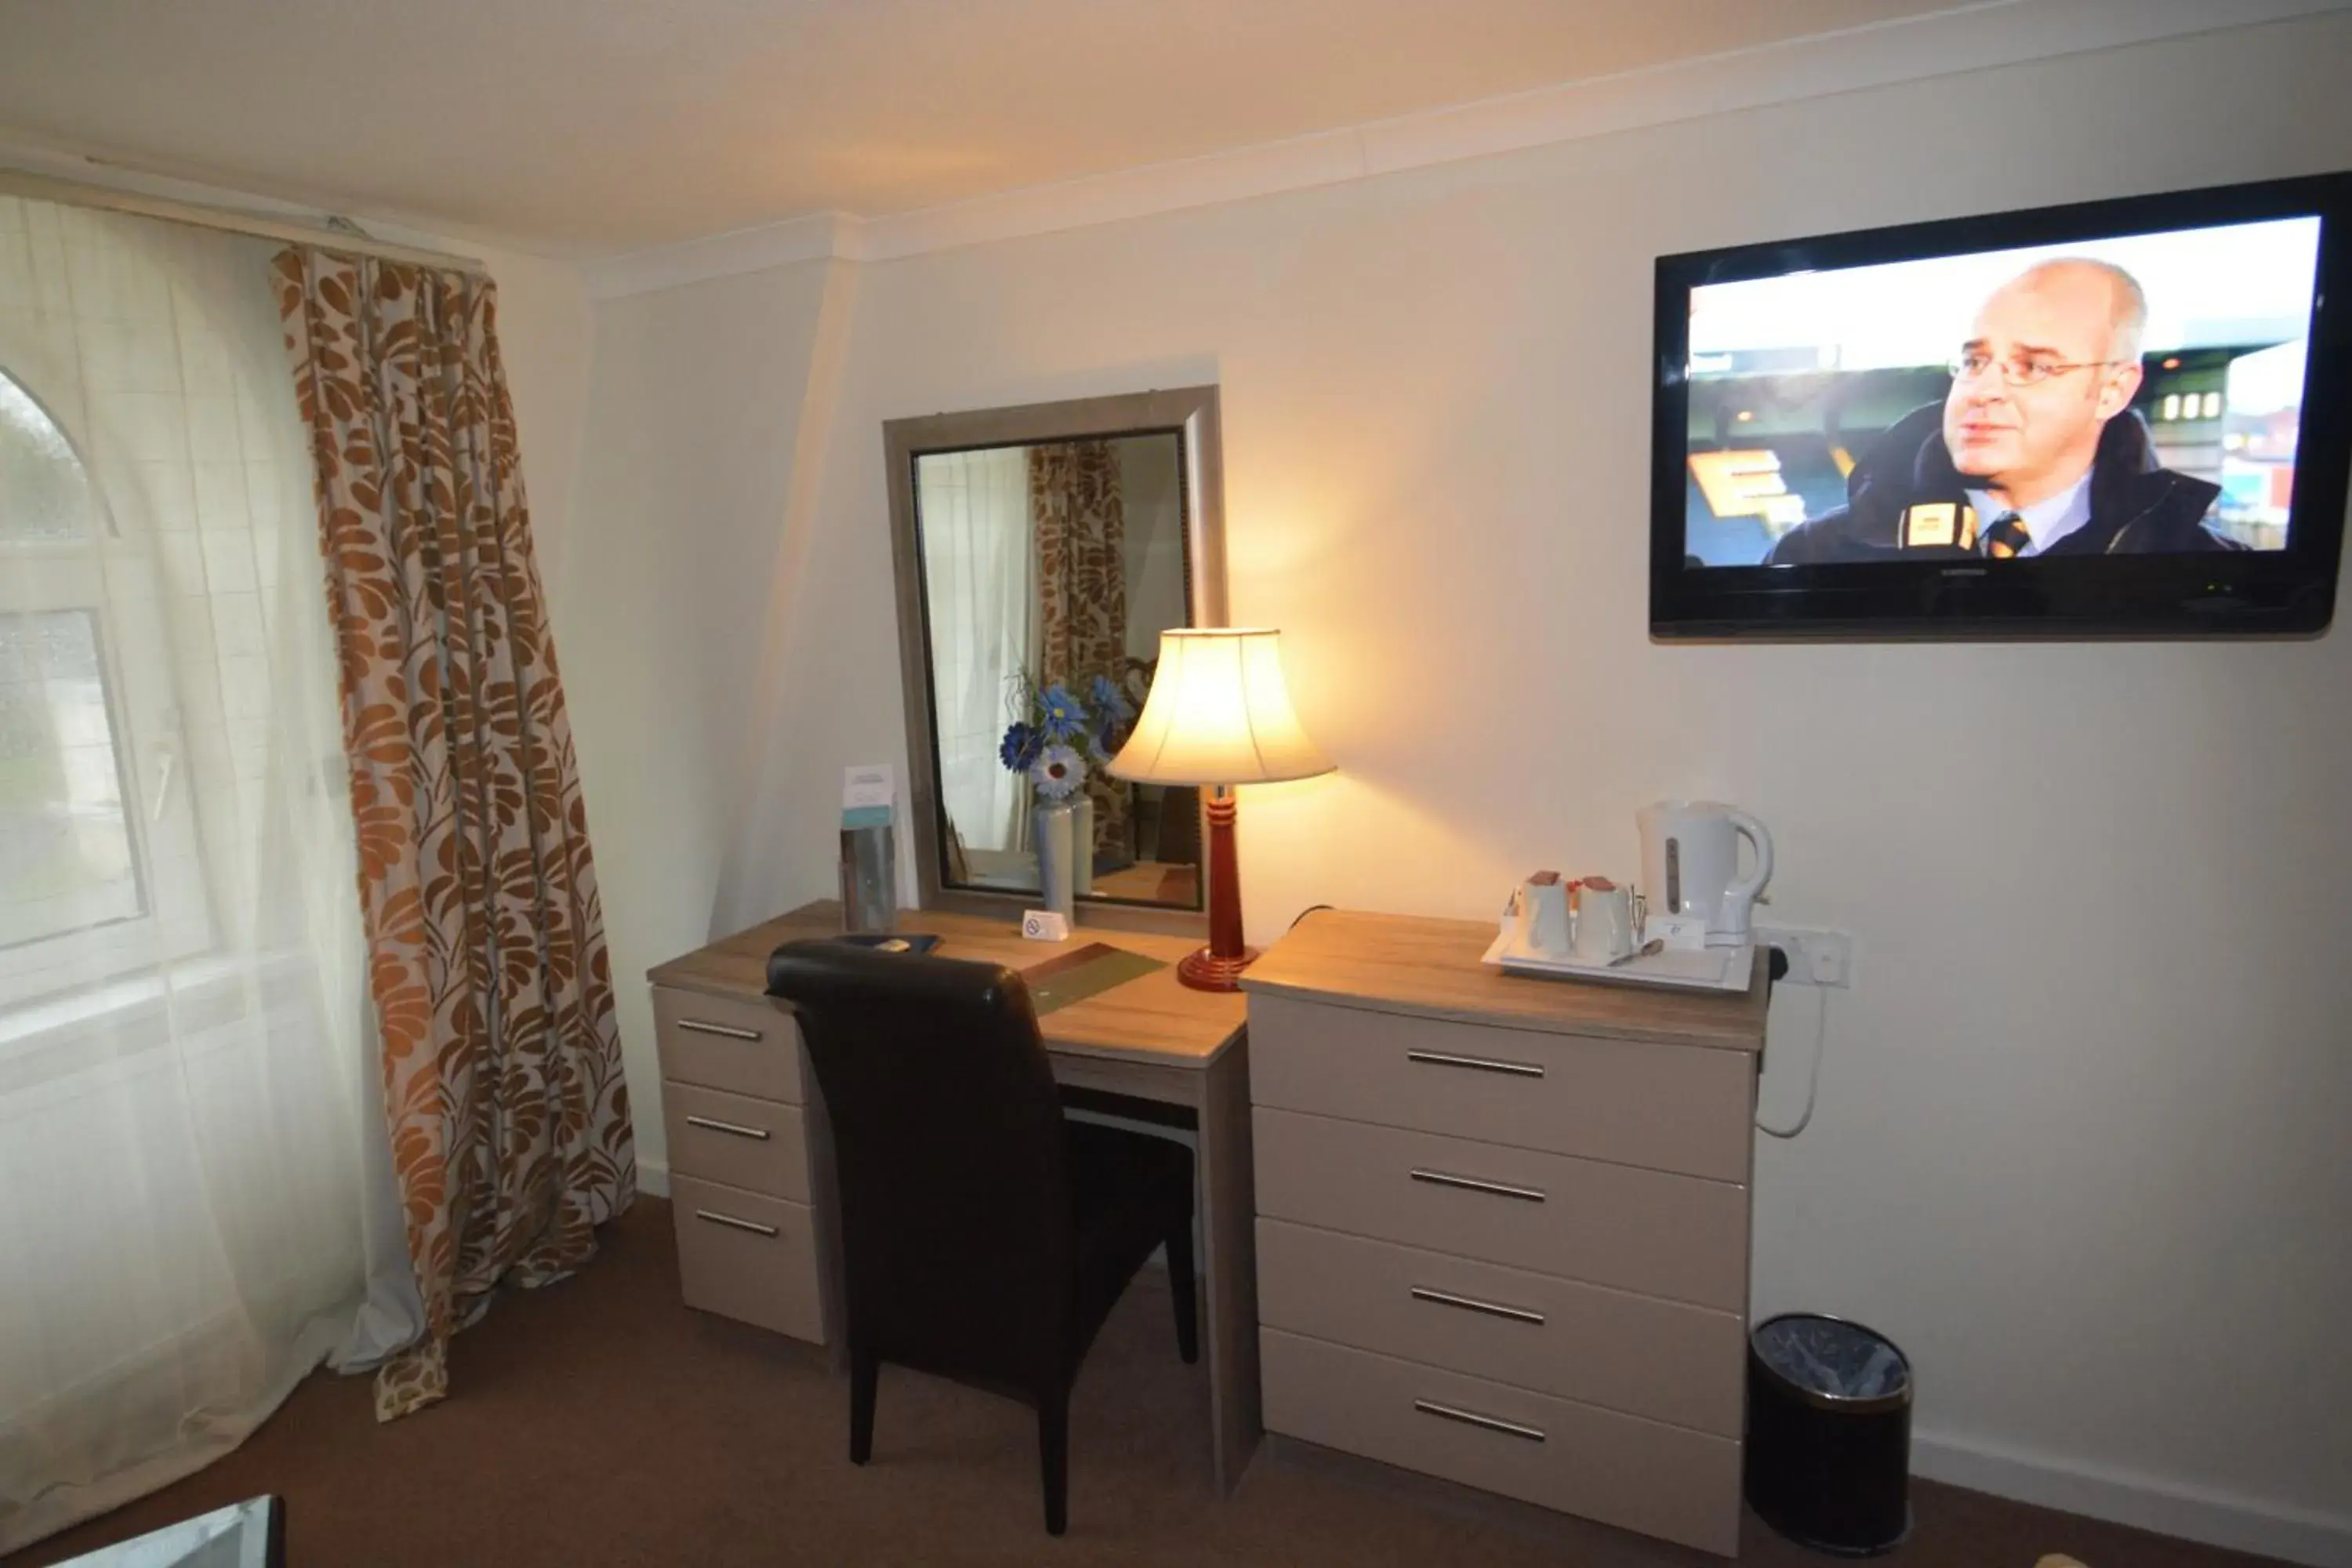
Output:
[[1218, 713]]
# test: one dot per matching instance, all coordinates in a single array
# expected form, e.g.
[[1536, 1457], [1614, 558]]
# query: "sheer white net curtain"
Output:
[[195, 1206], [979, 566]]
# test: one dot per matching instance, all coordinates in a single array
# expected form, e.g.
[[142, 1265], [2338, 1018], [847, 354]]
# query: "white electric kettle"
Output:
[[1690, 865]]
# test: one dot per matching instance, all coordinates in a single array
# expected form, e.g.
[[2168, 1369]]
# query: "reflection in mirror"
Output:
[[1049, 572]]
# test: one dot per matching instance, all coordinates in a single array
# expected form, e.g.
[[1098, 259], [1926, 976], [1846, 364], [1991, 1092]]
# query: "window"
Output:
[[77, 853], [66, 854]]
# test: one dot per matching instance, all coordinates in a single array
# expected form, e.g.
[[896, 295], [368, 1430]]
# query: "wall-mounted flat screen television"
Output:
[[2127, 416]]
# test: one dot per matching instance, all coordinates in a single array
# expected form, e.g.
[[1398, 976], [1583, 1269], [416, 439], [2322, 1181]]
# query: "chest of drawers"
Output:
[[1503, 1223], [748, 1165]]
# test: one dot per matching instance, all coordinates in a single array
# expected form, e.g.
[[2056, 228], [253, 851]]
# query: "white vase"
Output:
[[1057, 856], [1081, 835]]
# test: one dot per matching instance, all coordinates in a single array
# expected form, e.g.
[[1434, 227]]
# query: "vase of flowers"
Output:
[[1050, 739]]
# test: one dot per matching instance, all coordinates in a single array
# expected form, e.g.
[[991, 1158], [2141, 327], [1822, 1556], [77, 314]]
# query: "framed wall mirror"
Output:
[[1041, 551]]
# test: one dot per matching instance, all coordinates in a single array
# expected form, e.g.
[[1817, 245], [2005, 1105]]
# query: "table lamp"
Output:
[[1218, 715]]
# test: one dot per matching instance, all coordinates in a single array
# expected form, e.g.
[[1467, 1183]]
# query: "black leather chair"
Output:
[[984, 1237]]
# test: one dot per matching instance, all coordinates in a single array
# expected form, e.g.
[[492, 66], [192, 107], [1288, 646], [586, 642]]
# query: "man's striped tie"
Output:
[[2006, 537]]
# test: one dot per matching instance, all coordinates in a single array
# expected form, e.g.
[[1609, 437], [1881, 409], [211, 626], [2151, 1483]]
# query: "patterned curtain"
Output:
[[507, 1114], [1081, 521]]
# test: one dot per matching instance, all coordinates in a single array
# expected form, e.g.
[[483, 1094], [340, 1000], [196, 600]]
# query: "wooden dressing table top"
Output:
[[1430, 968], [1153, 1018]]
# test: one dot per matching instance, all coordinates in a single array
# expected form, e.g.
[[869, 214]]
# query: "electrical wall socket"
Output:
[[1815, 957]]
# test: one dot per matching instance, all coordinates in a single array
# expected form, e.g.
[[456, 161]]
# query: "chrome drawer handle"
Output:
[[729, 1030], [1472, 1304], [733, 1129], [730, 1221], [1483, 1064], [1472, 1418], [1472, 1184]]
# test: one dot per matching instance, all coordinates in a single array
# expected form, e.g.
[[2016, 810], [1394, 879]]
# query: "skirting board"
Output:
[[2191, 1513], [653, 1178]]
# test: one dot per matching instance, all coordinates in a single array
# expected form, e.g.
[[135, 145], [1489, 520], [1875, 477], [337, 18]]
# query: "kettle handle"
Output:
[[1739, 898]]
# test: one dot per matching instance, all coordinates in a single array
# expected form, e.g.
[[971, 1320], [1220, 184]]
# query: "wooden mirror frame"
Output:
[[1191, 413]]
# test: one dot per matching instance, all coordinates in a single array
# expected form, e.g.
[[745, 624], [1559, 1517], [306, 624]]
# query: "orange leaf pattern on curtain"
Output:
[[507, 1114], [1080, 516]]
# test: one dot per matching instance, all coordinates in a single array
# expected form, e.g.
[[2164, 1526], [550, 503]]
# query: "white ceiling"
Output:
[[594, 129]]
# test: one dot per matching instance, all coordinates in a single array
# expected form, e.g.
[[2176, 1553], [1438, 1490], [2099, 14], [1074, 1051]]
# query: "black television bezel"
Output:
[[2274, 593]]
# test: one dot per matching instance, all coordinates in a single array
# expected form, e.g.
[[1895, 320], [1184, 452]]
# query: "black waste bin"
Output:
[[1829, 1434]]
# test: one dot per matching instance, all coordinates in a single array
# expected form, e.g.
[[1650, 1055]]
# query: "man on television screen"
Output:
[[2035, 451]]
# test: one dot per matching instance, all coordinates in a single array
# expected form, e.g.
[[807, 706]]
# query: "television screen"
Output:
[[2119, 417]]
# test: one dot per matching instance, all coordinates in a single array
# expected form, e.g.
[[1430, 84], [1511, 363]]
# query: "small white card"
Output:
[[873, 784], [1045, 925], [1681, 934]]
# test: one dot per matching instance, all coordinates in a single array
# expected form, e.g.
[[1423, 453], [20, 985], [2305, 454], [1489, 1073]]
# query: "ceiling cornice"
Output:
[[818, 236], [1980, 37], [25, 152]]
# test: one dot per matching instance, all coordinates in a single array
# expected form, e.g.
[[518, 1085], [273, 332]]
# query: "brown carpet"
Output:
[[601, 1422]]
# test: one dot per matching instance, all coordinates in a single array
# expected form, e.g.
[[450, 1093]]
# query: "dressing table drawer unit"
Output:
[[1503, 1223], [754, 1235]]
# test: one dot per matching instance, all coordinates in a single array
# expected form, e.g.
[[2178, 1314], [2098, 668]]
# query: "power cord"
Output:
[[1780, 966]]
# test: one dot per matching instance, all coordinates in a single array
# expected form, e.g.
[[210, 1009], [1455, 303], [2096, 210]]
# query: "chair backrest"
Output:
[[948, 1138]]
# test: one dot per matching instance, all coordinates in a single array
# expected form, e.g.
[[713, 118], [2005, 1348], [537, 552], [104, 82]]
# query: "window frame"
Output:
[[99, 571]]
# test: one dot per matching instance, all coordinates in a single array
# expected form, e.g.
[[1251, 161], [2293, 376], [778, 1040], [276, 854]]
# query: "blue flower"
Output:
[[1020, 748], [1059, 715], [1059, 772], [1110, 703], [1111, 711]]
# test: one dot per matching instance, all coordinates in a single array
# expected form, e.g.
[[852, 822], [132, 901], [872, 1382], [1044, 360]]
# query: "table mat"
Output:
[[1084, 972]]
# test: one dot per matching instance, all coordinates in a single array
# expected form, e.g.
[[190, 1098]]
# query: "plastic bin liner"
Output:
[[1831, 1358]]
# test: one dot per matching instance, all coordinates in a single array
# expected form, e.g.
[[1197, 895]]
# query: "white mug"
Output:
[[1599, 921], [1542, 911]]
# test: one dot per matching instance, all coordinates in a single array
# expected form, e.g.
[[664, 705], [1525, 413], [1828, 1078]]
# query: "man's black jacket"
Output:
[[2136, 507]]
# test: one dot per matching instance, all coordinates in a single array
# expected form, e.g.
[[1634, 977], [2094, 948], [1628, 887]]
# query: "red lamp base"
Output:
[[1205, 971], [1219, 965]]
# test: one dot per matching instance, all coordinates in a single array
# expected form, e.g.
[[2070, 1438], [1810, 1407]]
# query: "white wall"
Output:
[[547, 327], [684, 483], [2079, 1146]]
